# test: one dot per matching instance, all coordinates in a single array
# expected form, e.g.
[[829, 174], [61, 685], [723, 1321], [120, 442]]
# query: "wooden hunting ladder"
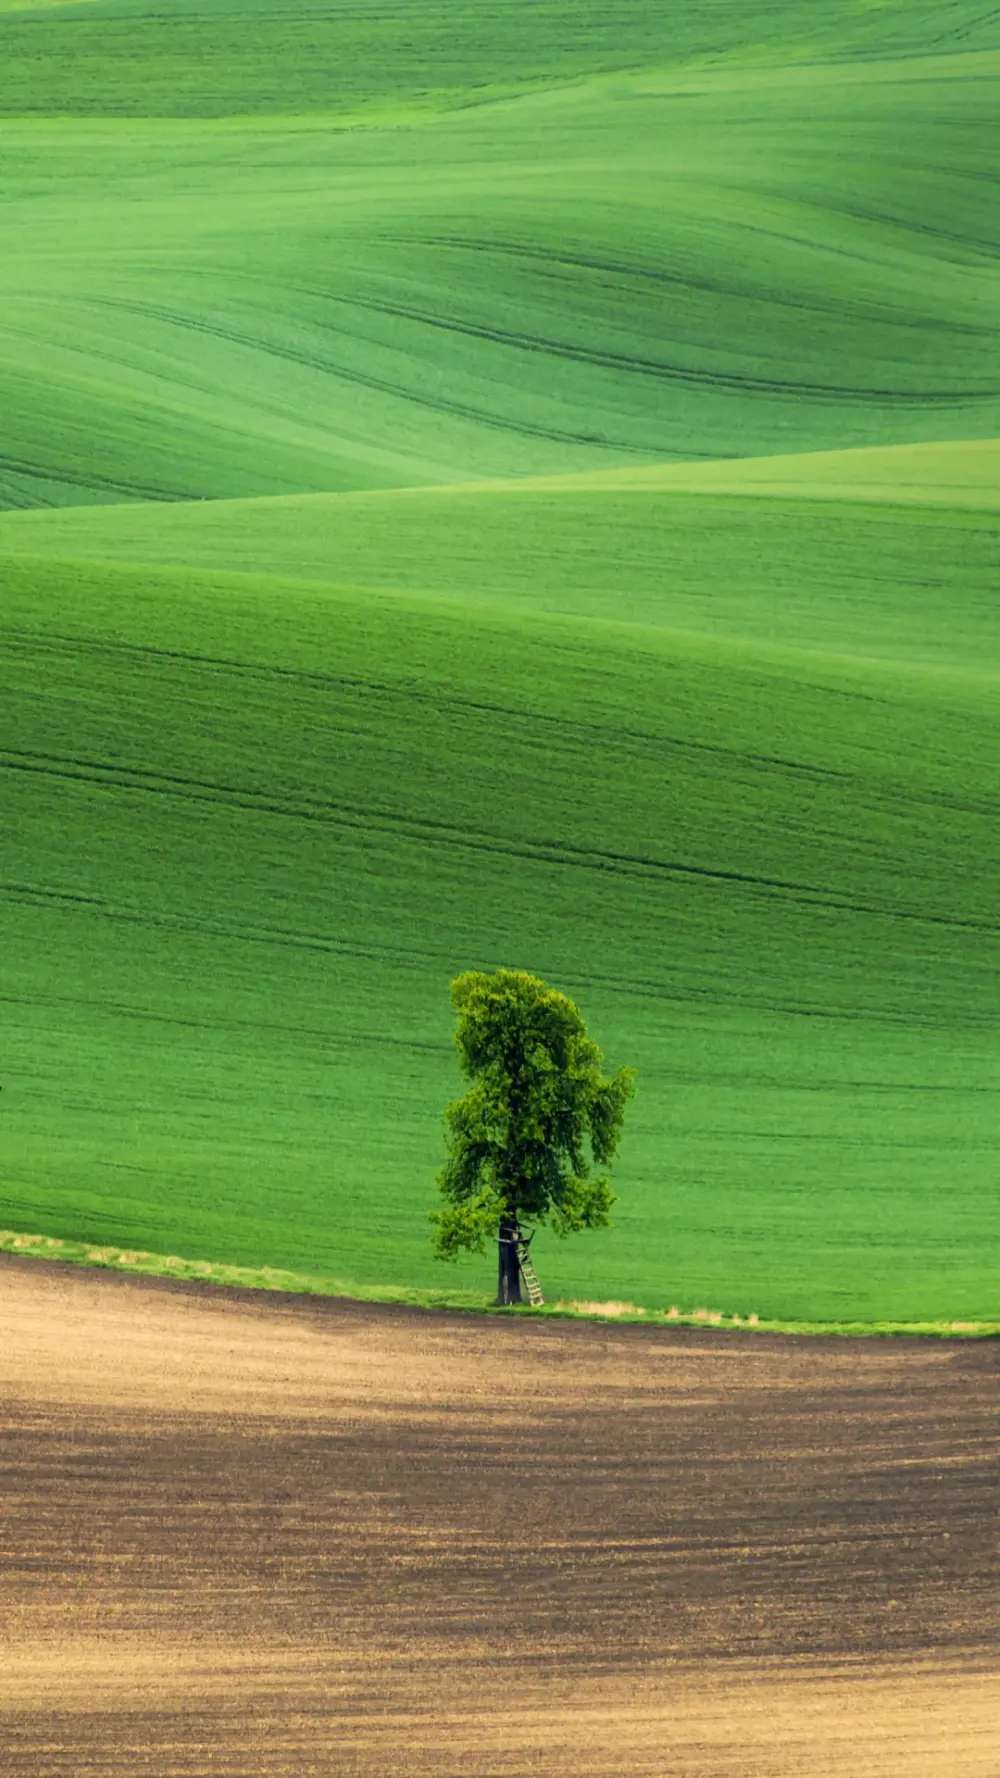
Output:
[[532, 1285]]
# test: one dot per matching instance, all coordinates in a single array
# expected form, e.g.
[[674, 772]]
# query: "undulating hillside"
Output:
[[505, 485], [304, 249]]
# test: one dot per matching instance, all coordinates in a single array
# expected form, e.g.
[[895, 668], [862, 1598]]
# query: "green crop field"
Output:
[[505, 484]]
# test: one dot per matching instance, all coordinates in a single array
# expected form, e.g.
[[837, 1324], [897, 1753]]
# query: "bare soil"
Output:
[[258, 1535]]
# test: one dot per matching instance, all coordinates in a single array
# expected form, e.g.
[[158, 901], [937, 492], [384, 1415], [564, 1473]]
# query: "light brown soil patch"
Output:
[[256, 1536]]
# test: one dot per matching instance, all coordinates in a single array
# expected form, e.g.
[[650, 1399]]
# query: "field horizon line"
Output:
[[172, 1268]]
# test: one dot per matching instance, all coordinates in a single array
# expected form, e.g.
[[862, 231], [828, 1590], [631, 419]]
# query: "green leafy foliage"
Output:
[[518, 1140]]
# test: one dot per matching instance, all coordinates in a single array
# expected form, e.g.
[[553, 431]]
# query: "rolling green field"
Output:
[[303, 250], [505, 485]]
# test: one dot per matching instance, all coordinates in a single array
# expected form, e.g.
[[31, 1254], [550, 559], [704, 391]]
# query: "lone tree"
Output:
[[518, 1139]]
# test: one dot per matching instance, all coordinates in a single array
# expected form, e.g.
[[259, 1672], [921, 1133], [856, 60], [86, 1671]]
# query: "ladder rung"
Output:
[[535, 1296]]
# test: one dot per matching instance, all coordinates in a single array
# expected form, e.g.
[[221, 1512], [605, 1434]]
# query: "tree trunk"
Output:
[[509, 1278]]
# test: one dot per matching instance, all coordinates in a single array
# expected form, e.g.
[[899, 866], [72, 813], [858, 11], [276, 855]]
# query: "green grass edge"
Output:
[[172, 1266]]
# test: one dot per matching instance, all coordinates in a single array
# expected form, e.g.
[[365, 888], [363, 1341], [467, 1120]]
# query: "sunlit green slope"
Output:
[[861, 553], [722, 231], [255, 824], [960, 473]]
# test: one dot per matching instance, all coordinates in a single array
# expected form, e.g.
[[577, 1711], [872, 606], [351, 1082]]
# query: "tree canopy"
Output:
[[538, 1113]]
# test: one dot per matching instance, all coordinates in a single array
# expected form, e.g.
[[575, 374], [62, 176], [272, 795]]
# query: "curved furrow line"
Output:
[[425, 830], [599, 358], [437, 699], [654, 742], [154, 1016], [675, 373], [436, 403], [88, 478], [665, 991], [845, 309]]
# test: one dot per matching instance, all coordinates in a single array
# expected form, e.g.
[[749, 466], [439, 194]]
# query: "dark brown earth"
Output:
[[249, 1534]]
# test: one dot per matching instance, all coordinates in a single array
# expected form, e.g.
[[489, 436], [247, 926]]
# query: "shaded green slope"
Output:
[[685, 264], [252, 828], [205, 58], [897, 581]]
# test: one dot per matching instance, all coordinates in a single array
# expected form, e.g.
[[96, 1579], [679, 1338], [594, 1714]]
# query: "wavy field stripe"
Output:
[[781, 253], [885, 554]]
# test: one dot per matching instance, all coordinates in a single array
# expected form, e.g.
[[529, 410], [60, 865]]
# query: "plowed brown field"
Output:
[[264, 1535]]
